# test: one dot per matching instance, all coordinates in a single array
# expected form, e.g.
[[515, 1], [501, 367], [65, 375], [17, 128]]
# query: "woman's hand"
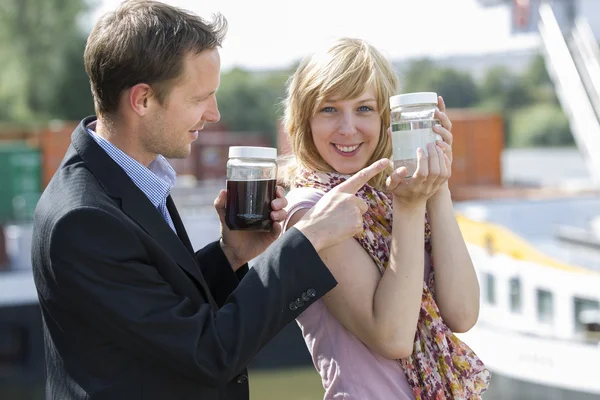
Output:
[[432, 172], [444, 130]]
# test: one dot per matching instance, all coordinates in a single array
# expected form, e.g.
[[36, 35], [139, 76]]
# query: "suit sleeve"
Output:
[[217, 272], [100, 269]]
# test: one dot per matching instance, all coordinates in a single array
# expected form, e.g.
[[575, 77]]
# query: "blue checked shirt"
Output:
[[155, 182]]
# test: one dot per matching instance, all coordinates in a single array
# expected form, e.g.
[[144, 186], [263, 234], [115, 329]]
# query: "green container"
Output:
[[20, 182]]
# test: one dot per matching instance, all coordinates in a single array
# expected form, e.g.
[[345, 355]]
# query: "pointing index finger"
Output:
[[358, 180]]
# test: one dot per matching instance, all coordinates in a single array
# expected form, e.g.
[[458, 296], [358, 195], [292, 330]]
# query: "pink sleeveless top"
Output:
[[349, 369]]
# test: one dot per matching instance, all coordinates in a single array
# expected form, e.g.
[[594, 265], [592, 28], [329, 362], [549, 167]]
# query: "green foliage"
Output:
[[527, 101], [251, 101], [458, 88], [536, 74], [293, 383], [73, 99], [36, 37], [537, 120], [542, 124], [506, 89]]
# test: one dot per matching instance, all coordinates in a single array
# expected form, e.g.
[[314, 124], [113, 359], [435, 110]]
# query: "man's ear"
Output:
[[139, 98]]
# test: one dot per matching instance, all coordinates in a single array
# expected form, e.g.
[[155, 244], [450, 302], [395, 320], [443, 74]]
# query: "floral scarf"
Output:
[[441, 365]]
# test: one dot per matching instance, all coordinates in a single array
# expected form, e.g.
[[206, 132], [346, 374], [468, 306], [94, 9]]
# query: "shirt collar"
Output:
[[155, 181]]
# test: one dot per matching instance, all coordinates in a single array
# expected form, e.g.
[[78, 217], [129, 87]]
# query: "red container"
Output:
[[211, 151], [477, 148], [54, 142]]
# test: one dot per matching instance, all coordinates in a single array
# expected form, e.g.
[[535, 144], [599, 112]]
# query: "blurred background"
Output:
[[521, 79]]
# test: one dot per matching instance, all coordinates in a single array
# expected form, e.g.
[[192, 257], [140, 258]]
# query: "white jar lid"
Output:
[[413, 98], [268, 153]]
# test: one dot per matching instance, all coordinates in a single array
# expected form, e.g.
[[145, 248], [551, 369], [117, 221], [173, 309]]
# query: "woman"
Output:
[[385, 332]]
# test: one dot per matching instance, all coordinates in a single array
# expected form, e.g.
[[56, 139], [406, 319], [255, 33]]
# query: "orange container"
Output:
[[477, 148], [54, 142]]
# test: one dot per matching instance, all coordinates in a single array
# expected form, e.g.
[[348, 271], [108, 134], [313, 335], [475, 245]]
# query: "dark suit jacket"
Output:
[[131, 312]]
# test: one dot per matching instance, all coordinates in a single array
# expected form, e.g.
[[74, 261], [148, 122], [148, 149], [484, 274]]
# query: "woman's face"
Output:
[[346, 131]]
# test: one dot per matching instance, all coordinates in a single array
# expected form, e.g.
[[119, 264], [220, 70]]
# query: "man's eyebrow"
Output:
[[202, 97]]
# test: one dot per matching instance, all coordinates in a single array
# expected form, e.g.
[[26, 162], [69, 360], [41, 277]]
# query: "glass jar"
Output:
[[412, 120], [251, 186]]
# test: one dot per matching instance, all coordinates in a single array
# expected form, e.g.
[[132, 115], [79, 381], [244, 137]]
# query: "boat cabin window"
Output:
[[545, 306], [581, 305], [515, 295], [490, 288]]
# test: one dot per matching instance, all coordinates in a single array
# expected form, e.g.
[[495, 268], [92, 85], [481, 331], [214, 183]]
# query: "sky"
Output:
[[271, 34]]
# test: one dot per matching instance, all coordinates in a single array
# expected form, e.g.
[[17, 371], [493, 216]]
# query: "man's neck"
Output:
[[119, 137]]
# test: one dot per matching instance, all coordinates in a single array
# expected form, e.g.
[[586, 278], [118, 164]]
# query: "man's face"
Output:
[[190, 103]]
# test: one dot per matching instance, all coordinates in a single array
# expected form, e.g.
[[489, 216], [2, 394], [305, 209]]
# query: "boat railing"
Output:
[[571, 86]]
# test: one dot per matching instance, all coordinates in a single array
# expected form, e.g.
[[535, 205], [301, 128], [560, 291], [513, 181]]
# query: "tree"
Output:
[[458, 88], [250, 101], [73, 98], [537, 74], [508, 90], [35, 36], [418, 76], [528, 103], [537, 80], [541, 124]]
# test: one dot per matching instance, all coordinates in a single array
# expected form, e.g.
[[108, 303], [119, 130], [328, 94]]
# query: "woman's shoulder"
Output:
[[303, 195], [300, 200]]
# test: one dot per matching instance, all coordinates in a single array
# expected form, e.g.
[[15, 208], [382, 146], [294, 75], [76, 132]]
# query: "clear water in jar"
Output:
[[407, 137]]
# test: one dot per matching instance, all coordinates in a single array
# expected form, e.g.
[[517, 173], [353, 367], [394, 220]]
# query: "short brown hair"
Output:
[[144, 41]]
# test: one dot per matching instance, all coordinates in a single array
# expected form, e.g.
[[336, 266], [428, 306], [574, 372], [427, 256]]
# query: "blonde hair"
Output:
[[345, 71]]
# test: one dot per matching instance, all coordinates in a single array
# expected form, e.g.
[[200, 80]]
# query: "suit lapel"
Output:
[[141, 210], [178, 223], [137, 206]]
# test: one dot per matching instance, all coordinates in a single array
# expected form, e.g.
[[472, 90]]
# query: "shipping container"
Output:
[[210, 152], [208, 158], [54, 142], [20, 182], [477, 148], [15, 133]]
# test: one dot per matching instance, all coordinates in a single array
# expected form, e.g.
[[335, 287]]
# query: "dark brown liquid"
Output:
[[249, 205]]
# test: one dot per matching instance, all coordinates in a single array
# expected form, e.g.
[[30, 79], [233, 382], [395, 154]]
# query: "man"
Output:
[[130, 311]]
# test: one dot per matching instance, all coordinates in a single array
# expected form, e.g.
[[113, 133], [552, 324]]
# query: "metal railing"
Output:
[[586, 54], [572, 87]]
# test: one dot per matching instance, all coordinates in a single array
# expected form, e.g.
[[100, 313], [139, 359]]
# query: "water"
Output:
[[407, 137], [410, 164], [538, 221], [545, 167]]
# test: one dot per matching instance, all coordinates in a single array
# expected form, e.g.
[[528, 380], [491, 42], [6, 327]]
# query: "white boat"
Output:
[[538, 266]]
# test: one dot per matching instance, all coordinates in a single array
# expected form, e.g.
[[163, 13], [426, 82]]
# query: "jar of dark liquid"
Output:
[[251, 185]]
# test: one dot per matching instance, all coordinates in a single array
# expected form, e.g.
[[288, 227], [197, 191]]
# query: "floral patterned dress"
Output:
[[441, 365]]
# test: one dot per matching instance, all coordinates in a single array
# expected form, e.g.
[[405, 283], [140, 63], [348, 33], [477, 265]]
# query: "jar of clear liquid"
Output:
[[412, 120], [251, 186]]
